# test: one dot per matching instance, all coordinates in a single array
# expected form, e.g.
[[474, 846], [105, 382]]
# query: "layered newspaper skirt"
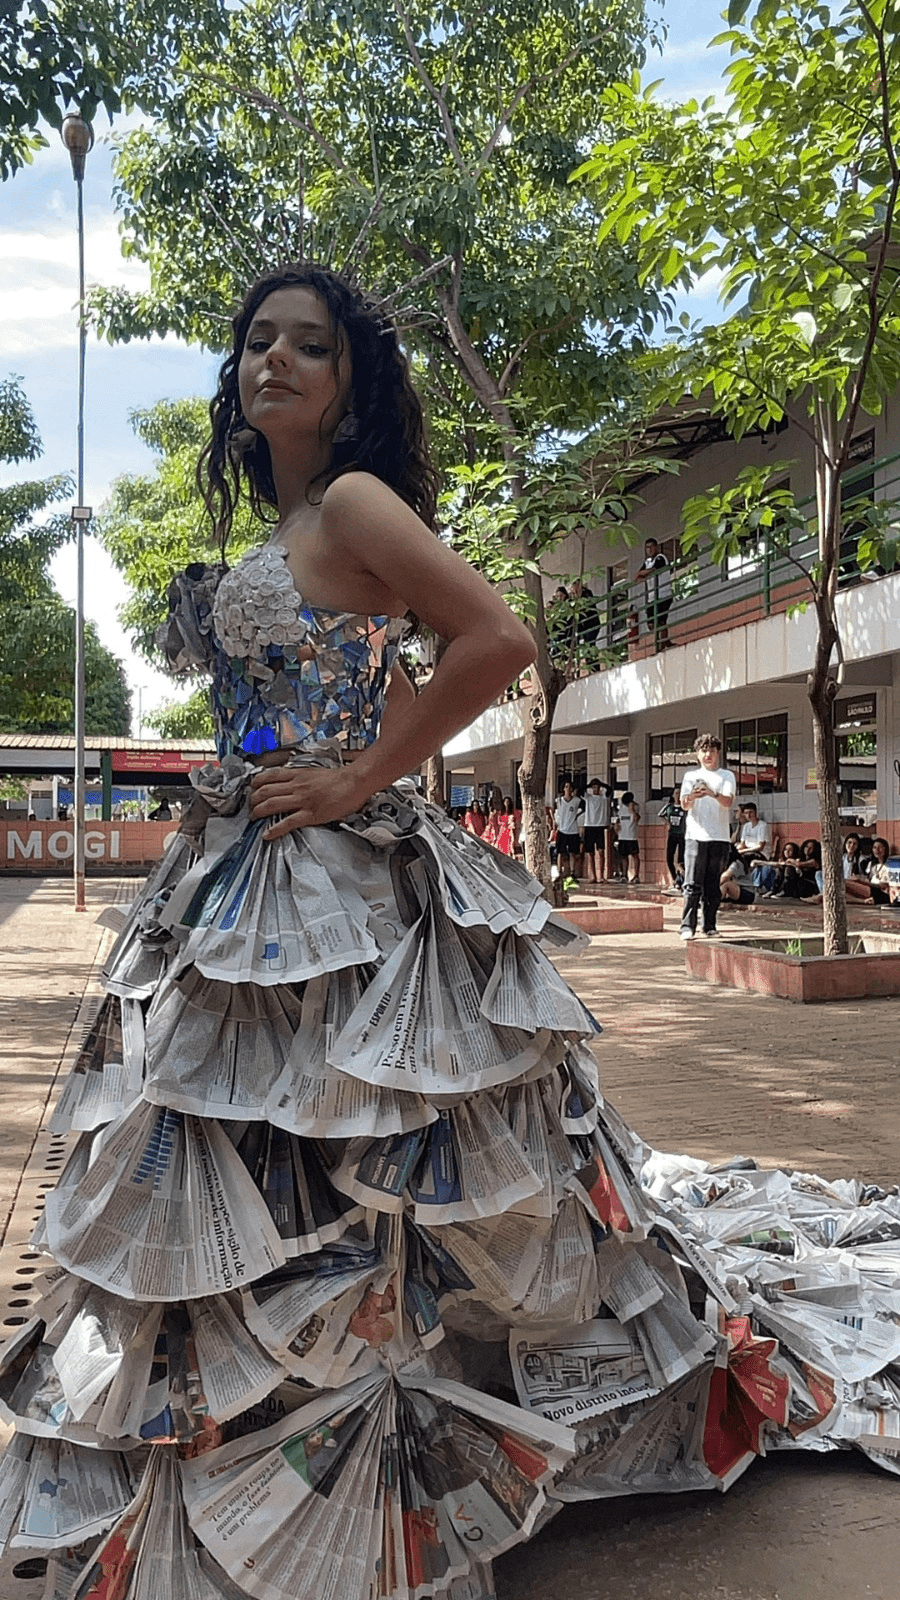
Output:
[[355, 1280]]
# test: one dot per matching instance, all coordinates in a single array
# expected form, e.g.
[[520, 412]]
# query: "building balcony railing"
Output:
[[698, 598]]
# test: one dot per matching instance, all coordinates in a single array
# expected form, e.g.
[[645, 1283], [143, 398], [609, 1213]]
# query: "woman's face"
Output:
[[294, 375], [790, 852], [879, 850], [851, 845]]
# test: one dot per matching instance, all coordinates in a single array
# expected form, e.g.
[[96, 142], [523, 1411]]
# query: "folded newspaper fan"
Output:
[[415, 1480], [159, 1207], [106, 1078], [150, 1554], [216, 1049], [105, 1372]]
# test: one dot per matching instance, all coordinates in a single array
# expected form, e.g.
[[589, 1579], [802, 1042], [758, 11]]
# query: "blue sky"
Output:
[[39, 329]]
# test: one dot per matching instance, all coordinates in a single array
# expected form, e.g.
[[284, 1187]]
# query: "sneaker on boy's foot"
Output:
[[711, 933], [686, 933]]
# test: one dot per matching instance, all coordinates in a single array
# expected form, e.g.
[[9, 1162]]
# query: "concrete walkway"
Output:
[[709, 1071]]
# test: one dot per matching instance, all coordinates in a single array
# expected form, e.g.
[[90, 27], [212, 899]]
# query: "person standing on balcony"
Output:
[[707, 796], [656, 575], [587, 625]]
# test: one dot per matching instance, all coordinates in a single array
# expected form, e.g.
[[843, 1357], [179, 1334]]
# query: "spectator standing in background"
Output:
[[657, 579], [628, 844], [568, 818], [672, 813], [707, 796], [475, 819], [559, 627], [493, 824], [596, 823], [508, 827]]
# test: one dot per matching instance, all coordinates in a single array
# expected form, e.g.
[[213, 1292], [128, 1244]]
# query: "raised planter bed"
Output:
[[616, 916], [795, 968]]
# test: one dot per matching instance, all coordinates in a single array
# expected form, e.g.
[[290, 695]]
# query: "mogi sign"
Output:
[[46, 846], [36, 845]]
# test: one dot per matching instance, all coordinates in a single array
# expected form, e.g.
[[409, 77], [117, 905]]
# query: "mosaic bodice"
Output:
[[282, 671]]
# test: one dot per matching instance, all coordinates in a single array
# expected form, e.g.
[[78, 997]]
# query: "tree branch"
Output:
[[876, 311], [810, 244], [433, 90], [525, 89], [536, 333]]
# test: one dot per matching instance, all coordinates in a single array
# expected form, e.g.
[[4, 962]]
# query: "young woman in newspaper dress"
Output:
[[354, 1279]]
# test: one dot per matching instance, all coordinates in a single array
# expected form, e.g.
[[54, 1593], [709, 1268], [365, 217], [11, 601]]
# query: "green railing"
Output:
[[601, 630]]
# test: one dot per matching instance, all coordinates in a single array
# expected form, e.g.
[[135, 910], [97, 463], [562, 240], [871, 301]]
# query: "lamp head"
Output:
[[78, 138]]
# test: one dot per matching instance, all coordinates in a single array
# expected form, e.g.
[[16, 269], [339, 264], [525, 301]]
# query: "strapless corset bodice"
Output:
[[282, 670]]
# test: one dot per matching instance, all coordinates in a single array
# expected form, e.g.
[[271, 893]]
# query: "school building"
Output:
[[735, 653]]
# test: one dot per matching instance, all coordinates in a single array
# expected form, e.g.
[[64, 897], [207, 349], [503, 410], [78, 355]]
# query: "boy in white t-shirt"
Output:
[[707, 796], [596, 822]]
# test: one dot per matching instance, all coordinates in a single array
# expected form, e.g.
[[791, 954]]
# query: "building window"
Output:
[[570, 766], [671, 754], [856, 753], [756, 752]]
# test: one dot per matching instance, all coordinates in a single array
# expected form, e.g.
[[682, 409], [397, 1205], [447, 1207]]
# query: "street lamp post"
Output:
[[78, 139]]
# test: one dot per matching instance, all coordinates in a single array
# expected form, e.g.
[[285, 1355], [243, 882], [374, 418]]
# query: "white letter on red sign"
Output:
[[29, 849]]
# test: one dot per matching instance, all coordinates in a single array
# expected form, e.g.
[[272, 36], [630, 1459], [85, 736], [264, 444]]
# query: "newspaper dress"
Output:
[[353, 1279]]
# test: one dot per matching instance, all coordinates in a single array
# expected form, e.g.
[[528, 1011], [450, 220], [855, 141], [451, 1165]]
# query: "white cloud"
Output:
[[40, 288]]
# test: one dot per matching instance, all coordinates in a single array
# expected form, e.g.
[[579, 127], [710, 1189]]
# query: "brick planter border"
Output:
[[806, 980], [617, 917]]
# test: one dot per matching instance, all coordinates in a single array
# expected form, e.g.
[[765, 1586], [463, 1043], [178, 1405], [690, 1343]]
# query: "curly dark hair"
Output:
[[390, 441]]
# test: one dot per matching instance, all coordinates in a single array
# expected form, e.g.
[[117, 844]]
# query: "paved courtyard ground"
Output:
[[712, 1072]]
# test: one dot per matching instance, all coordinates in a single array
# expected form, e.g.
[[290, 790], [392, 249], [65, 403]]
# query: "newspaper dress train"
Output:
[[353, 1276]]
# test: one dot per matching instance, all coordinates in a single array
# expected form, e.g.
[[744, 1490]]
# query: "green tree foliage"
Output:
[[184, 719], [37, 629], [427, 148], [789, 191], [154, 524], [62, 55]]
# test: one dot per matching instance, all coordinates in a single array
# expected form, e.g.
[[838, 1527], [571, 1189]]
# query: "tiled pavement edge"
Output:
[[49, 992]]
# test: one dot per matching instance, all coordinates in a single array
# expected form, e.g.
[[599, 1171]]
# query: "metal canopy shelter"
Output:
[[108, 759]]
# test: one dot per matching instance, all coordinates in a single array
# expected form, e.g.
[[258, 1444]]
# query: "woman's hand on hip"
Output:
[[303, 797]]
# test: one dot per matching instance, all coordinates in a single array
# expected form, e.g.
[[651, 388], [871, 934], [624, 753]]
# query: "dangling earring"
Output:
[[240, 442], [347, 430]]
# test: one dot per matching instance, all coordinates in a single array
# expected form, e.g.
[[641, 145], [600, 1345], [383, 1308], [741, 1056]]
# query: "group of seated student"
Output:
[[794, 871], [866, 876]]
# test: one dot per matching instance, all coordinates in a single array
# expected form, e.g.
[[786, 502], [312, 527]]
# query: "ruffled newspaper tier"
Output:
[[337, 1123]]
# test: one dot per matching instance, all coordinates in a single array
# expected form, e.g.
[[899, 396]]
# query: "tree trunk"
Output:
[[834, 899], [434, 779], [434, 766], [549, 683], [821, 689]]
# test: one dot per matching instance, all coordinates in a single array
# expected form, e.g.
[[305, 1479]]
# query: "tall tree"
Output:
[[790, 192], [436, 143], [37, 629]]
